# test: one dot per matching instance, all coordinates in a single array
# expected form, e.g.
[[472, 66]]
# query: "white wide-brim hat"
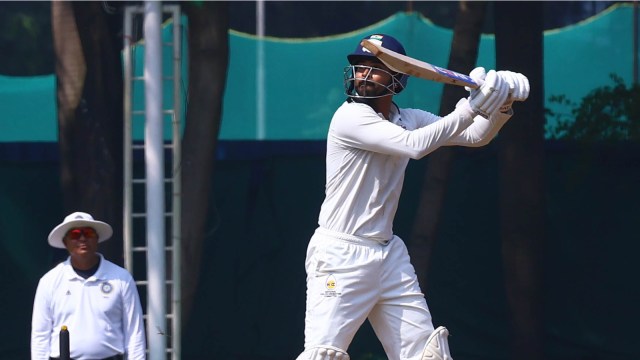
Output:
[[75, 220]]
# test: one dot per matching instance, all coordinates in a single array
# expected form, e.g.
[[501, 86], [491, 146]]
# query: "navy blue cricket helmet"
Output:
[[386, 41]]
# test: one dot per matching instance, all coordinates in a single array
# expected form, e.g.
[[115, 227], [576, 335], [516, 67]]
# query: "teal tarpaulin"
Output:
[[298, 82]]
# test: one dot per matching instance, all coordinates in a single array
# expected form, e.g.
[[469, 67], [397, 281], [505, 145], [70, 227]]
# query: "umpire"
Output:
[[94, 298]]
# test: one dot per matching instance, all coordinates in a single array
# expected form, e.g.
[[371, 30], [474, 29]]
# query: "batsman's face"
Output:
[[372, 78]]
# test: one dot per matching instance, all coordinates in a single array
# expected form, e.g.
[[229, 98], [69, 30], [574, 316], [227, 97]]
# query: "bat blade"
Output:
[[414, 67]]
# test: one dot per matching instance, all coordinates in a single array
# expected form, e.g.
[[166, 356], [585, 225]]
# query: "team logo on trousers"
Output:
[[331, 284]]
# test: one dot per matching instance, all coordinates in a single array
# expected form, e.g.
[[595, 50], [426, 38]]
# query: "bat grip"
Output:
[[478, 83], [65, 353]]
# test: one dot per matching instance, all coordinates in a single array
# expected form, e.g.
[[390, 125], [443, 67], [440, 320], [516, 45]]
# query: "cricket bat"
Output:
[[413, 67]]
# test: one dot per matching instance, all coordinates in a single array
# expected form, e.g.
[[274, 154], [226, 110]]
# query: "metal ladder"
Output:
[[135, 238]]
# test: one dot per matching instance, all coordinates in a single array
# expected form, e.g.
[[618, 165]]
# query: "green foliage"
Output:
[[608, 114]]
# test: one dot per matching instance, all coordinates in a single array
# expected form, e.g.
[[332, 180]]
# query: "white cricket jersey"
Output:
[[367, 156], [103, 314]]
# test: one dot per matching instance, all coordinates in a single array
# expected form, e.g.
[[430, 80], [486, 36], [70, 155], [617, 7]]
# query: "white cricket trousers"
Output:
[[350, 279]]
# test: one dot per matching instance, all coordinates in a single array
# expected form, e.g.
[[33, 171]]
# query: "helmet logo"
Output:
[[374, 40]]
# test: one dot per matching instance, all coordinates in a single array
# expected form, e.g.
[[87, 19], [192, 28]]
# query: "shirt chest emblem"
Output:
[[106, 287]]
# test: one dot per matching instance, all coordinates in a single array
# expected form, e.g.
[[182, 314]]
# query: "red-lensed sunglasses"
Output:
[[74, 234]]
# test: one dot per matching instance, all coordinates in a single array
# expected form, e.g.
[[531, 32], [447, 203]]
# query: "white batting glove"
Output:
[[478, 75], [518, 88], [488, 98]]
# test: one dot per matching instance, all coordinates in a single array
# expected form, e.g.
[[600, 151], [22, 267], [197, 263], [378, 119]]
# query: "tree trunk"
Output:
[[519, 38], [90, 121], [462, 58], [208, 63]]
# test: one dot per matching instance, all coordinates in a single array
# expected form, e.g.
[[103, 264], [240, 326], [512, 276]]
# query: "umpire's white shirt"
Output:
[[367, 156], [103, 314]]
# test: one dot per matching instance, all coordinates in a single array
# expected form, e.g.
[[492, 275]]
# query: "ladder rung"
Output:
[[142, 112], [142, 214], [164, 111], [144, 248], [168, 316], [144, 181], [146, 282], [141, 146]]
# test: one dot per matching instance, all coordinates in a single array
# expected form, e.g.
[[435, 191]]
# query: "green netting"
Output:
[[301, 79]]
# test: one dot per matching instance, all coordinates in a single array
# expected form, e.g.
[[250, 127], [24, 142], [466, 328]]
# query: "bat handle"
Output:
[[477, 84], [64, 343]]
